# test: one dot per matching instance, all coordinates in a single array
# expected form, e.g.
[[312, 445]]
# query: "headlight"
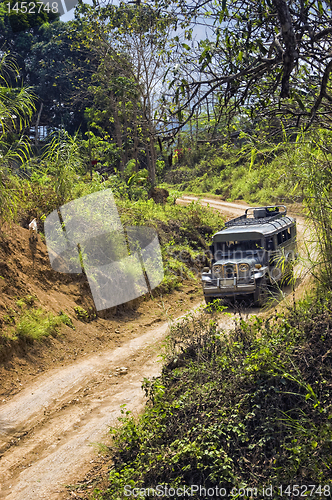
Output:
[[217, 270], [243, 268]]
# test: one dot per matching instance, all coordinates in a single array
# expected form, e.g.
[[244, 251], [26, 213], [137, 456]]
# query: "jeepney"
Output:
[[252, 252]]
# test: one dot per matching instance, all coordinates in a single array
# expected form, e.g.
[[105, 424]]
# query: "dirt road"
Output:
[[47, 430], [224, 206]]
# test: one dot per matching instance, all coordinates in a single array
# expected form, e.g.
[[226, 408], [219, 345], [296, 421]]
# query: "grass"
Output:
[[245, 409], [182, 230], [259, 174], [31, 323], [37, 324], [28, 300], [184, 234], [84, 315]]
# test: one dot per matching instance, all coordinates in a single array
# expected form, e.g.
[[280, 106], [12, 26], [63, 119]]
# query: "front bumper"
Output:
[[227, 287]]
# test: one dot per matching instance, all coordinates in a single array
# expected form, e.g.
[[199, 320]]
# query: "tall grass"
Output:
[[36, 324], [30, 323], [16, 109], [314, 177]]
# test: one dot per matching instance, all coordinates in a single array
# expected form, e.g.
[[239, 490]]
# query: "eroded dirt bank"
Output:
[[48, 427]]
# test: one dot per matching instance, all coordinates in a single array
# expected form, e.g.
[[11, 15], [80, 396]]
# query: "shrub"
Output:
[[36, 324], [83, 315]]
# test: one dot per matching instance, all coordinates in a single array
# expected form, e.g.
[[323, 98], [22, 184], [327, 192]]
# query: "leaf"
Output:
[[300, 103]]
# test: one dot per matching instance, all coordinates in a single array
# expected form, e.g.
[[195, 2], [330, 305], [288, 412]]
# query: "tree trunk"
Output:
[[125, 127], [152, 173], [118, 134], [135, 153]]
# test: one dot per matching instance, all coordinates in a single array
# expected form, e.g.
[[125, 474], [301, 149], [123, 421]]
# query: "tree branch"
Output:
[[291, 54], [323, 92]]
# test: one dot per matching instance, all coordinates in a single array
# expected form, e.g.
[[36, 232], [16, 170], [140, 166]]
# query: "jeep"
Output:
[[252, 252]]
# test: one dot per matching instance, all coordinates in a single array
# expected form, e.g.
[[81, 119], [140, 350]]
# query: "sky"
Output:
[[198, 33]]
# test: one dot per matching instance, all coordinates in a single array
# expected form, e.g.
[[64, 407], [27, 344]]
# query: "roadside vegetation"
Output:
[[237, 410], [257, 169], [248, 408]]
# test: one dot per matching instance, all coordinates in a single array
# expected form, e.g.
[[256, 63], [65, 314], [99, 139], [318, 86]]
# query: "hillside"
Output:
[[28, 283]]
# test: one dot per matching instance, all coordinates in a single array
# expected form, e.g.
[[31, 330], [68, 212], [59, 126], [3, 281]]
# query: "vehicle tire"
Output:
[[261, 293], [209, 300]]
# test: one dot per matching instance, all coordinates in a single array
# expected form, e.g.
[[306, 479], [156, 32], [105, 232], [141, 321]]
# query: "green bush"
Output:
[[84, 315], [28, 300], [66, 320], [261, 174], [30, 323], [184, 234], [36, 324]]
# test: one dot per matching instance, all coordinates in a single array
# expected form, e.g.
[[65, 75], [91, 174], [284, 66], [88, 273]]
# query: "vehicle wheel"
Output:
[[261, 293], [209, 300]]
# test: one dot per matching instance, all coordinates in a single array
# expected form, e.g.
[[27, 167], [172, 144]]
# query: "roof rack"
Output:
[[259, 215]]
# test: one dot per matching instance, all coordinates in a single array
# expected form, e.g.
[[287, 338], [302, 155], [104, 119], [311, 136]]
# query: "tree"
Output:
[[16, 109], [56, 68], [131, 43], [16, 104], [18, 29], [271, 58], [43, 48]]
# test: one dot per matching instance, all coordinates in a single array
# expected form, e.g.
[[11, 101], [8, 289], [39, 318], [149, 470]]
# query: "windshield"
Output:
[[236, 249]]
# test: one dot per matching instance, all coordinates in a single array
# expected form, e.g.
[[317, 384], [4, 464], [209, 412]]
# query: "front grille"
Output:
[[225, 271], [229, 271]]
